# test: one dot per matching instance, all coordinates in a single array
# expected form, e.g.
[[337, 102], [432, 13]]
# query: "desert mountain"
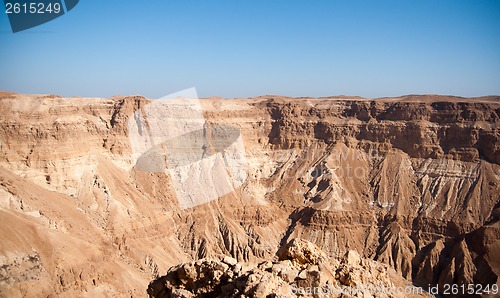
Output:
[[409, 184]]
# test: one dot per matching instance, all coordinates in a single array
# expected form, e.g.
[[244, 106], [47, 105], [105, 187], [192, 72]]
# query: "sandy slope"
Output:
[[411, 182]]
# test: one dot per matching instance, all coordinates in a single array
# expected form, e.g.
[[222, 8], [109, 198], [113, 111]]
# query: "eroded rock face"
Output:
[[302, 269], [411, 182]]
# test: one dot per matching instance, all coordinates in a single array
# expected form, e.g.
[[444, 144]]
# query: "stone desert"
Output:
[[340, 190]]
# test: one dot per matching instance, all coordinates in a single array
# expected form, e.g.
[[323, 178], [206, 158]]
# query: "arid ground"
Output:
[[339, 190]]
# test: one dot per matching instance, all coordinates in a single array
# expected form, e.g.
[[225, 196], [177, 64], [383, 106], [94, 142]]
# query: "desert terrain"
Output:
[[403, 191]]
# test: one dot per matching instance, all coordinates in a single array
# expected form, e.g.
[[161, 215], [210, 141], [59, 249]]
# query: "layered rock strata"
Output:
[[411, 182]]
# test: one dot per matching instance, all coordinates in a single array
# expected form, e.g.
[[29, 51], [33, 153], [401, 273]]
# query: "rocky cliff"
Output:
[[411, 182]]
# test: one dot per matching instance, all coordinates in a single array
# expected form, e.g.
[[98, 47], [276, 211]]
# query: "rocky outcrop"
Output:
[[411, 182], [302, 269]]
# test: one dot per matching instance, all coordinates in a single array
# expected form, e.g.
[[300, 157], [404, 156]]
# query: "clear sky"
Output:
[[243, 48]]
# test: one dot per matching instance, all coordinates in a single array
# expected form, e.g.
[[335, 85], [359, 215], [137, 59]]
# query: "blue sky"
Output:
[[248, 48]]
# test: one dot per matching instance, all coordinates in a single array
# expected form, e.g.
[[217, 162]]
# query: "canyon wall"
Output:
[[411, 182]]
